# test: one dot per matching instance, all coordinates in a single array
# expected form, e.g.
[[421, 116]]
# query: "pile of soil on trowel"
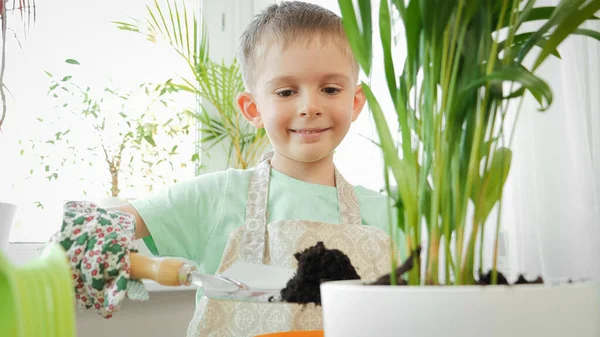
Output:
[[316, 265]]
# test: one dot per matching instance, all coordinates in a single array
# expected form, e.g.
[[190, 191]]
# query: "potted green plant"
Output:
[[215, 84], [123, 131], [467, 63]]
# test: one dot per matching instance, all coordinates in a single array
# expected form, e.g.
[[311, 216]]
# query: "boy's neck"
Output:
[[320, 172]]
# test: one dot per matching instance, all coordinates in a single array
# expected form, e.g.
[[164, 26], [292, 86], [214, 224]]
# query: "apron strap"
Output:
[[347, 201], [253, 245]]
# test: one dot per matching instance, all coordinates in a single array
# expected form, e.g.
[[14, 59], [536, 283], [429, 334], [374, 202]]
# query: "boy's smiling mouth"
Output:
[[309, 131], [309, 135]]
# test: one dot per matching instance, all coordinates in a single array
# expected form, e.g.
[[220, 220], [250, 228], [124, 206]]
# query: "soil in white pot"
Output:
[[483, 280], [404, 267], [318, 264]]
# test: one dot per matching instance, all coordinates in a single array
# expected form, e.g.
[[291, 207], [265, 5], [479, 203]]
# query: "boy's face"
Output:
[[306, 97]]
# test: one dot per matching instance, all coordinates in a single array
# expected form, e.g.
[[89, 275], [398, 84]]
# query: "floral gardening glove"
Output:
[[98, 243]]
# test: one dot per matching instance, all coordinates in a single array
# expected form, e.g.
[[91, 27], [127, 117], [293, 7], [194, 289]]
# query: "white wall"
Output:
[[165, 314]]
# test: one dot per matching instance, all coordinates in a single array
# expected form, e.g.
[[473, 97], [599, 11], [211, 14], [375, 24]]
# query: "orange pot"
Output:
[[308, 333]]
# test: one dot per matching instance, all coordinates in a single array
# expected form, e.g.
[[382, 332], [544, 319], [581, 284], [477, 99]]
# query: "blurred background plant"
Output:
[[214, 84], [125, 131]]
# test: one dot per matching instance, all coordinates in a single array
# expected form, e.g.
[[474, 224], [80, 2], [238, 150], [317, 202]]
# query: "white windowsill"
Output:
[[21, 253]]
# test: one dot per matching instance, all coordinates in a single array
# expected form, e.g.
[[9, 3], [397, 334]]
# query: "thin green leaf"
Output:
[[399, 4], [180, 30], [172, 22], [367, 30], [566, 27], [492, 183], [150, 140], [197, 51], [413, 26], [386, 42], [537, 13], [350, 25], [520, 39], [162, 17], [126, 26], [187, 32], [534, 84], [587, 32], [401, 171], [559, 14], [72, 61]]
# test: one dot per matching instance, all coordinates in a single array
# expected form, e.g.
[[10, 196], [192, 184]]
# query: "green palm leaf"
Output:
[[216, 84]]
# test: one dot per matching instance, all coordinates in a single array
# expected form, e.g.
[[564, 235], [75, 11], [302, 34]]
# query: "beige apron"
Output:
[[275, 244]]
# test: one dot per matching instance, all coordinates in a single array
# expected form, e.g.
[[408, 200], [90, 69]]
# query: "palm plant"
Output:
[[467, 63], [215, 84]]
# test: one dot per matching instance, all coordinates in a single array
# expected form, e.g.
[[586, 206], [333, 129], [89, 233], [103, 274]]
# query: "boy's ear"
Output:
[[249, 110], [359, 102]]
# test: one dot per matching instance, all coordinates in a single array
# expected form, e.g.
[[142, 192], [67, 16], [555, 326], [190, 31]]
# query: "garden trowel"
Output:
[[243, 281]]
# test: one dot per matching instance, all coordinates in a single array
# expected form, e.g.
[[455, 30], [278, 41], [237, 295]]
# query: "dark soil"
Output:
[[538, 280], [405, 267], [316, 265], [486, 280]]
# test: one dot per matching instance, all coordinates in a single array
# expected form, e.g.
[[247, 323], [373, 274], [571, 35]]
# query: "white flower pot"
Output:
[[352, 309], [7, 216]]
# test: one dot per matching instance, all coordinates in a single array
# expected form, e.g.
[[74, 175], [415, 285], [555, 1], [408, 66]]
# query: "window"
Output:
[[107, 57]]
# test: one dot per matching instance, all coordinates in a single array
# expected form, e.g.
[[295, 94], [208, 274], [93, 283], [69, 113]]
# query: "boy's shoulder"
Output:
[[372, 202], [366, 194]]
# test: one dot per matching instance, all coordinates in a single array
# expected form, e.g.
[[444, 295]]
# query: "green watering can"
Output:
[[37, 299]]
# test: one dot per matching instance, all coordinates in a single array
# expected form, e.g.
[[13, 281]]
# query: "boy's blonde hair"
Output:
[[285, 23]]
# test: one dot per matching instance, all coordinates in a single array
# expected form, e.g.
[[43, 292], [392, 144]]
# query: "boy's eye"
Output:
[[285, 93], [331, 90]]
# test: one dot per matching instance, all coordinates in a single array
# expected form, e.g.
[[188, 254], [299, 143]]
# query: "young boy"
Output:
[[301, 80]]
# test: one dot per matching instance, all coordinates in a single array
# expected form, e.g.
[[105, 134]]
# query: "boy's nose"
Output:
[[310, 108], [310, 112]]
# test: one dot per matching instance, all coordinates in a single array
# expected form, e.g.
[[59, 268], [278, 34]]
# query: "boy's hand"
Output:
[[97, 243], [141, 231]]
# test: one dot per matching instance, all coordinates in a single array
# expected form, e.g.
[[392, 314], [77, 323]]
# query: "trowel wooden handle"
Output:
[[165, 271]]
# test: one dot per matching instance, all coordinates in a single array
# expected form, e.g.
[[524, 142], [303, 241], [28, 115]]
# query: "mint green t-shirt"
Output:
[[193, 219]]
